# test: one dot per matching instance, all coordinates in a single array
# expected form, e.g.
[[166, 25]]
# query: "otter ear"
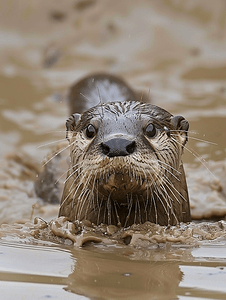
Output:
[[182, 125], [71, 124]]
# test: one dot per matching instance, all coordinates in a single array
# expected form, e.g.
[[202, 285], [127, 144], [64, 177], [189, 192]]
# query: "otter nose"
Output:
[[118, 147]]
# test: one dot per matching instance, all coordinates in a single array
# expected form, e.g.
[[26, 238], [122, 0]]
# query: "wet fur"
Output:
[[148, 185]]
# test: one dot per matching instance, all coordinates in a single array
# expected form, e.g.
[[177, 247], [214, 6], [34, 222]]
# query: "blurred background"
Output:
[[174, 50]]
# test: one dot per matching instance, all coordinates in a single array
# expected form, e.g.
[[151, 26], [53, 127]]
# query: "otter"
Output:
[[126, 157]]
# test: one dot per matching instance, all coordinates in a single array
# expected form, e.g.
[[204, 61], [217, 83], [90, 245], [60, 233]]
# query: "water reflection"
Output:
[[106, 276], [97, 271]]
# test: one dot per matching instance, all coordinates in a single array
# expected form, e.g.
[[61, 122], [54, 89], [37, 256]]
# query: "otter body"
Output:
[[126, 162], [97, 88]]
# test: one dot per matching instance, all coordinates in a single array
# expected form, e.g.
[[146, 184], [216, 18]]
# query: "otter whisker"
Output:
[[135, 214], [170, 206], [98, 194], [98, 217], [92, 202], [109, 209], [168, 200], [152, 175], [79, 175], [129, 210], [151, 202], [157, 190], [72, 191], [87, 181], [83, 202], [65, 173], [169, 172], [149, 93], [145, 209], [89, 204], [155, 208], [98, 91], [182, 130], [79, 205], [200, 140], [146, 202], [85, 97], [171, 167], [94, 181], [139, 108], [55, 131], [138, 205], [63, 201], [82, 193], [50, 143], [81, 182], [117, 215], [60, 151], [105, 211], [200, 159], [168, 184]]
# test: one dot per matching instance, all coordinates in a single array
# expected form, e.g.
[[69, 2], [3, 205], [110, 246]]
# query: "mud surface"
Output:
[[172, 50]]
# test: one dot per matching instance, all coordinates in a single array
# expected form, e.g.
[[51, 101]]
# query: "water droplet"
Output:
[[127, 274]]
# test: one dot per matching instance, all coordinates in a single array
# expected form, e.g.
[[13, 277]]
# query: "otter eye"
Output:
[[150, 130], [90, 131]]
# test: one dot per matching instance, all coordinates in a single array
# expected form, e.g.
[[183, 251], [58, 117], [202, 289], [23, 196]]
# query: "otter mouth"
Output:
[[119, 185], [121, 177]]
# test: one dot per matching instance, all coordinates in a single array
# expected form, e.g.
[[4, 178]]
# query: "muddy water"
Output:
[[174, 51]]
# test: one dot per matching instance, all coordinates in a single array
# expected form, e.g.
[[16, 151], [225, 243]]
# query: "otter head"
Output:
[[125, 159]]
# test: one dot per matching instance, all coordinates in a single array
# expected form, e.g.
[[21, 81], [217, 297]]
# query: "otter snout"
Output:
[[118, 147]]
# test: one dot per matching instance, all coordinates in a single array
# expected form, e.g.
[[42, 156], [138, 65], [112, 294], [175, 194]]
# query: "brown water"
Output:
[[175, 51]]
